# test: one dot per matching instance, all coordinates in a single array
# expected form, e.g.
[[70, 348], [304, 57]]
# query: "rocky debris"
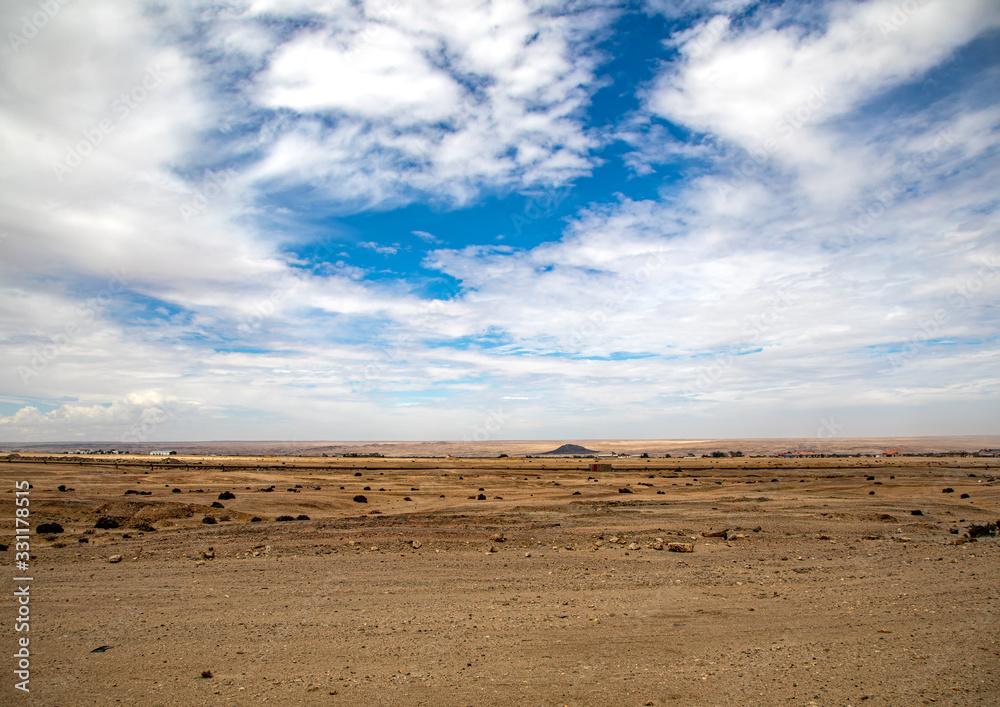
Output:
[[49, 528], [115, 558], [658, 544], [360, 499], [497, 538], [680, 547], [985, 530], [634, 546], [916, 513], [416, 544], [216, 504], [625, 490], [715, 534], [206, 674], [226, 496], [493, 548], [209, 554], [481, 497]]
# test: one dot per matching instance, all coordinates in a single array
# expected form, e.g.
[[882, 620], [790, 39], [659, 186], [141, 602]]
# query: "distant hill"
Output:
[[571, 449]]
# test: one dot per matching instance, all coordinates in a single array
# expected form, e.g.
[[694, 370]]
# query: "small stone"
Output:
[[115, 558], [497, 538], [209, 554], [416, 544], [634, 546], [680, 547]]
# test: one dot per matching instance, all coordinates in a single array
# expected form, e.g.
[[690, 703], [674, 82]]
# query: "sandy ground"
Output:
[[822, 592]]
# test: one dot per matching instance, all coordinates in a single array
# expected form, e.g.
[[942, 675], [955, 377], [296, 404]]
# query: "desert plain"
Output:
[[506, 580]]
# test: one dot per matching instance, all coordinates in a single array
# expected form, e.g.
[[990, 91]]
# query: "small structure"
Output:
[[162, 453]]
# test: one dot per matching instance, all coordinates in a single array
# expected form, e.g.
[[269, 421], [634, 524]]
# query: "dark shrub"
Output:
[[49, 528], [360, 499]]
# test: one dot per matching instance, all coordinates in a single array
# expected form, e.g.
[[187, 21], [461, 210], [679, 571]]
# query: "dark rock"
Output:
[[360, 499], [226, 496], [208, 520], [302, 517], [481, 497], [948, 490], [625, 490], [49, 528], [216, 504], [916, 513], [284, 519]]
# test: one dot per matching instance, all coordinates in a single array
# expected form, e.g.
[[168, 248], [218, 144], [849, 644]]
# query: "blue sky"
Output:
[[517, 219]]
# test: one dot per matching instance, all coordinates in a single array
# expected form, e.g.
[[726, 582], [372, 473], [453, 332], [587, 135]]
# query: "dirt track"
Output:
[[832, 595]]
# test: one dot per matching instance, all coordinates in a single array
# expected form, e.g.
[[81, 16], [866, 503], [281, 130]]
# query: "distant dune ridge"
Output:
[[514, 448]]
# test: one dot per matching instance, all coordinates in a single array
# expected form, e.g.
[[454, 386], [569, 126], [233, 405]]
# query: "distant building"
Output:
[[162, 453], [890, 453], [989, 452]]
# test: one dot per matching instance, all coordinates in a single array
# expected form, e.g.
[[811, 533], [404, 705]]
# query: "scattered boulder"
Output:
[[984, 530], [226, 496], [115, 558], [360, 499], [680, 547], [49, 528]]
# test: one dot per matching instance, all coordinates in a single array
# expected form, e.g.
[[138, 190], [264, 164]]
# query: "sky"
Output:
[[512, 219]]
